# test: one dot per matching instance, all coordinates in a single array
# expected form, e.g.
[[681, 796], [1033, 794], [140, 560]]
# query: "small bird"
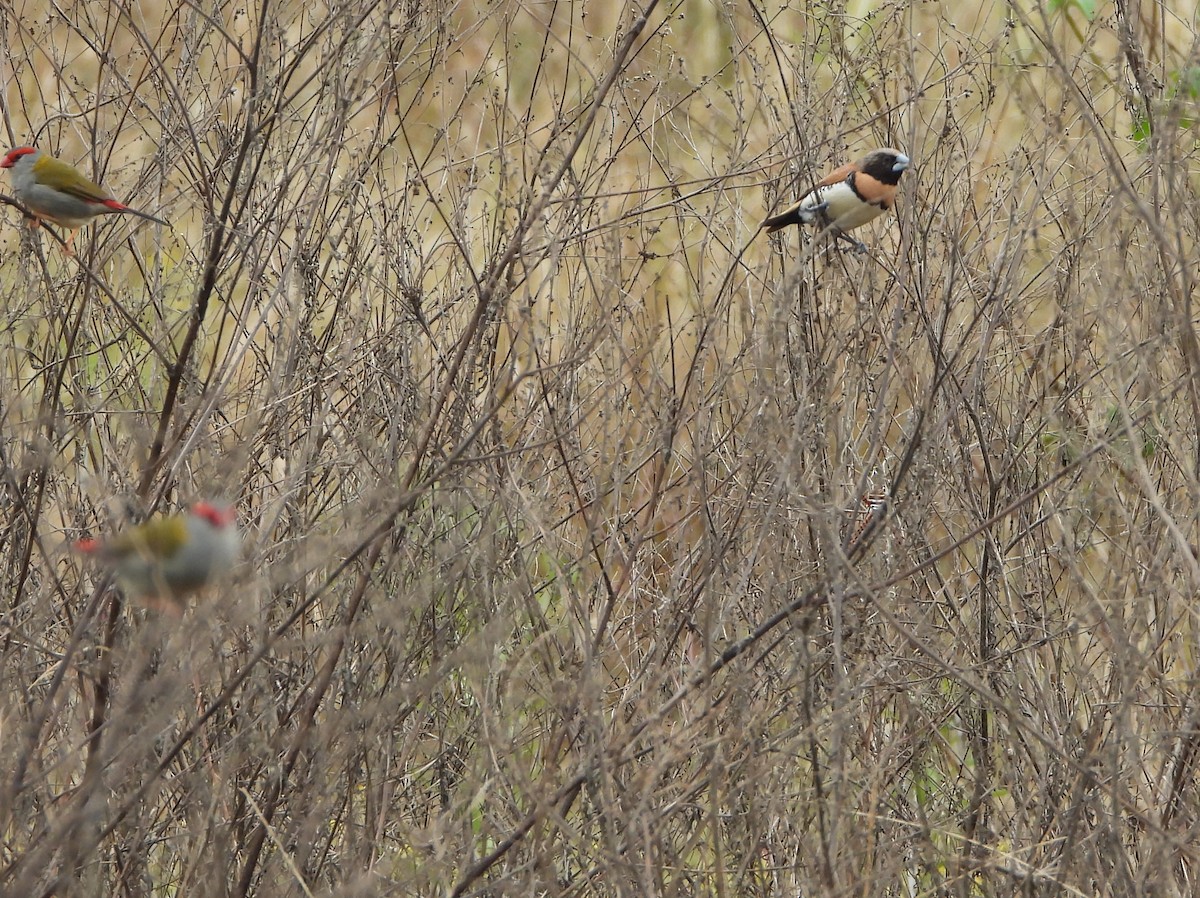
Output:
[[55, 191], [165, 559], [849, 196]]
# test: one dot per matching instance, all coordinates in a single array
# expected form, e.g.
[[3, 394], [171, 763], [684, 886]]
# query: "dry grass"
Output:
[[552, 468]]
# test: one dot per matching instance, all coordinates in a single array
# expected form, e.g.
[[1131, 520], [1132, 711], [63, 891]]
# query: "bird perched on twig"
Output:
[[166, 559], [54, 191], [848, 197]]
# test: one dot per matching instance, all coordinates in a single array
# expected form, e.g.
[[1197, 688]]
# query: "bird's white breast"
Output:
[[844, 209]]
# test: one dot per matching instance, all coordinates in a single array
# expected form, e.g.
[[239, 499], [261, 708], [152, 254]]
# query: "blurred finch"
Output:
[[57, 192], [849, 196], [163, 560]]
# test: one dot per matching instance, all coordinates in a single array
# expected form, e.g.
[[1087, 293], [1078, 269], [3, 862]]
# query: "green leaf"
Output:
[[1187, 82], [1141, 129], [1087, 7]]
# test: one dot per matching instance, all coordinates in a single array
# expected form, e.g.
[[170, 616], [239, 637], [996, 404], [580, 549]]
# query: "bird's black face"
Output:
[[885, 166]]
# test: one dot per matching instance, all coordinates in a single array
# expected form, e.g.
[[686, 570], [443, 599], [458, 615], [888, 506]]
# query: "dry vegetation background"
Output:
[[552, 469]]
